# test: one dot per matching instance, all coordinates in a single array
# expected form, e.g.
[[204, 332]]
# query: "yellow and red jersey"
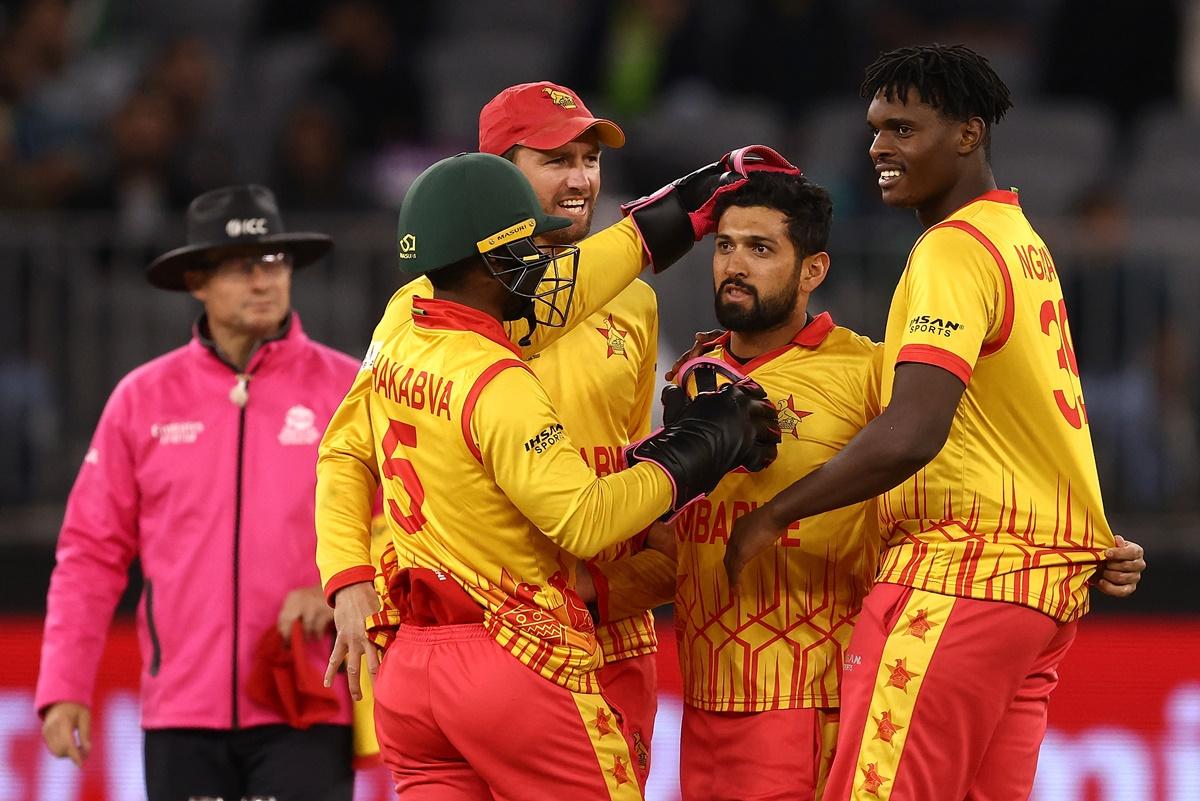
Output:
[[346, 483], [600, 376], [357, 447], [778, 643], [1010, 510], [482, 485]]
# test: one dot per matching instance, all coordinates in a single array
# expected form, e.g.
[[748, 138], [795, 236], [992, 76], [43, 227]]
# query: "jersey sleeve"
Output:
[[629, 586], [524, 447], [609, 261], [953, 299], [96, 545], [347, 484]]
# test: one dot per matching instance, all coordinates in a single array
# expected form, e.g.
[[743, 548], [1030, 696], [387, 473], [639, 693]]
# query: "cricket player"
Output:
[[600, 377], [990, 501], [761, 664], [491, 688]]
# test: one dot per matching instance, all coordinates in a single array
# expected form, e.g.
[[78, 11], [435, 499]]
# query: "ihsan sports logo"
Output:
[[545, 438], [925, 324]]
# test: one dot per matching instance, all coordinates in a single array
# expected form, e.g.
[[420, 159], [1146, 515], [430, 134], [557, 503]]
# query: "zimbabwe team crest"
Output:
[[615, 338], [558, 98], [790, 416]]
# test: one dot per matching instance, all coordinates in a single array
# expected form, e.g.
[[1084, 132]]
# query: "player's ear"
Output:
[[813, 270], [971, 135], [195, 281]]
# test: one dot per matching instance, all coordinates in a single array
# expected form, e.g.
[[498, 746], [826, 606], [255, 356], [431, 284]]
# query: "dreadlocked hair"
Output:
[[953, 79]]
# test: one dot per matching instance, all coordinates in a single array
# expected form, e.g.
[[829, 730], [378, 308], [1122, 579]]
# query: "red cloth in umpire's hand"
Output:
[[284, 680]]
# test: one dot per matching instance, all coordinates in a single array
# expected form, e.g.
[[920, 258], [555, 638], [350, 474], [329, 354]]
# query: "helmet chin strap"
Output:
[[530, 315], [530, 318]]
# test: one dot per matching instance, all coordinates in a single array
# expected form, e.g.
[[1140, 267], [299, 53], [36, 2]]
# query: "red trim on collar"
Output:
[[446, 315], [1005, 196], [1000, 196], [813, 334], [810, 336]]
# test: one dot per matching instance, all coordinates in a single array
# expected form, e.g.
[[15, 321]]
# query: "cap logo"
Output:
[[408, 246], [521, 229], [253, 226], [559, 98]]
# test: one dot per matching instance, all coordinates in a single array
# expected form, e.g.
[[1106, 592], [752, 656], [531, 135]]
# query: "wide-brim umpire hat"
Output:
[[233, 221]]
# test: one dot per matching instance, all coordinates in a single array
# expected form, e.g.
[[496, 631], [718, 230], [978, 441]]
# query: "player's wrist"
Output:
[[775, 514]]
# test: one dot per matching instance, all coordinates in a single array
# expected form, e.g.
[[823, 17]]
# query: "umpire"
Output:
[[202, 465]]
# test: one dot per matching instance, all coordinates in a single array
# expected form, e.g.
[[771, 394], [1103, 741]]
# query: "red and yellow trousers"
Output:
[[944, 698]]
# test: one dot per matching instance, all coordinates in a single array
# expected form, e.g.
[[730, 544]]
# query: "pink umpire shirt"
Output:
[[217, 501]]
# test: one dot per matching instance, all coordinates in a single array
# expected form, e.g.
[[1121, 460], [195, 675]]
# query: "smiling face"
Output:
[[920, 155], [567, 182], [761, 282]]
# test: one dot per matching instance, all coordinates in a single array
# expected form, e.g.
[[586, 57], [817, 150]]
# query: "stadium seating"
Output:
[[1165, 172], [464, 73], [1052, 153]]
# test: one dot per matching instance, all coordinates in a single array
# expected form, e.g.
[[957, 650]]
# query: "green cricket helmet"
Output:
[[477, 204]]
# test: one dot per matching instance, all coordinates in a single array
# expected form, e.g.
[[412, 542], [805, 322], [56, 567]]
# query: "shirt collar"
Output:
[[446, 315], [1006, 196], [810, 336], [201, 334]]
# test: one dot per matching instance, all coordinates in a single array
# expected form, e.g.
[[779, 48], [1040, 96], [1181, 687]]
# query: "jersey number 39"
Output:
[[1073, 410]]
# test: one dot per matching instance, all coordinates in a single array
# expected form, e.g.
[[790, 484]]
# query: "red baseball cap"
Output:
[[540, 115]]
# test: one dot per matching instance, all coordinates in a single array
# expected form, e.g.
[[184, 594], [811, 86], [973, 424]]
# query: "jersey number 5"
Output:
[[1073, 409], [403, 435]]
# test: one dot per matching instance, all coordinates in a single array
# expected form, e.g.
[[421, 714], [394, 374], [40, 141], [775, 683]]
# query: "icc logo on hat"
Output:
[[254, 226]]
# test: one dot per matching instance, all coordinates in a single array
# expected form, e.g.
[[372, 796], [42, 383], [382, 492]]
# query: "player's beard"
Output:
[[573, 233], [763, 314]]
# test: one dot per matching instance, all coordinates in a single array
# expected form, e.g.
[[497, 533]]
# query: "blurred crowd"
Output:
[[136, 106], [132, 107]]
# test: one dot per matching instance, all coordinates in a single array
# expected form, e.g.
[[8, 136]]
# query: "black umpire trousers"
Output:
[[271, 763]]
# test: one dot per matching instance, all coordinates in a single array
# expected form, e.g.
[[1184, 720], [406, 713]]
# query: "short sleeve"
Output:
[[953, 300]]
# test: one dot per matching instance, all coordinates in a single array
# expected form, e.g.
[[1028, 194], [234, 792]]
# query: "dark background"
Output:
[[114, 114]]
